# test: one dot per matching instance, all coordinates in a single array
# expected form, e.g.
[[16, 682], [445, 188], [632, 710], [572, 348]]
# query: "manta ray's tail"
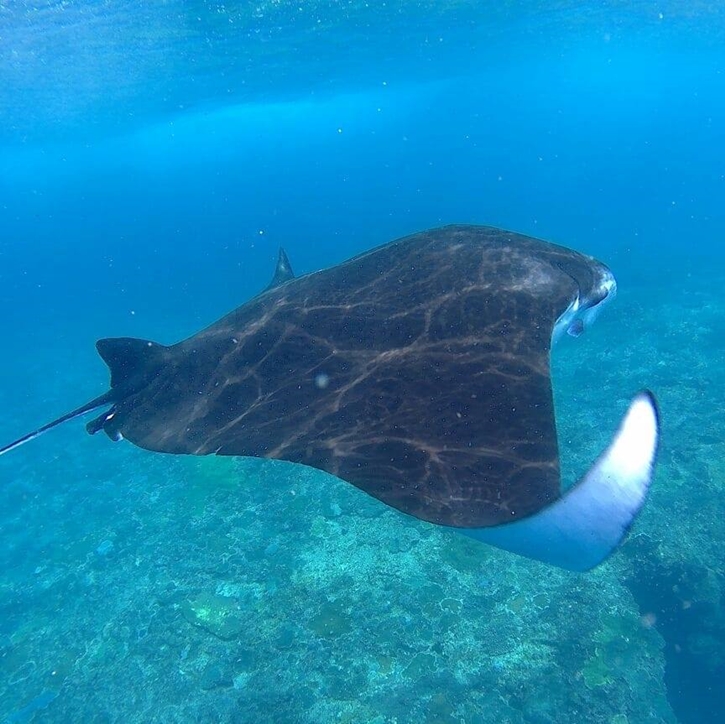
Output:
[[581, 529], [105, 399], [132, 363]]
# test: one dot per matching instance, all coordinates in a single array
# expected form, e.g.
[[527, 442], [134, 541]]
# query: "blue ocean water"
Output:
[[153, 158]]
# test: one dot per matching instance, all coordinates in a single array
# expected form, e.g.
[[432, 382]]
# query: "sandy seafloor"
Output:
[[139, 587]]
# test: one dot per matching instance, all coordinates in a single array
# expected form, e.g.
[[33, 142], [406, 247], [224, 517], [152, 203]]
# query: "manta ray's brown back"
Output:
[[418, 372]]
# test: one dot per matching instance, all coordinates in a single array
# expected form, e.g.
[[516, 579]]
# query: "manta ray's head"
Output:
[[596, 286]]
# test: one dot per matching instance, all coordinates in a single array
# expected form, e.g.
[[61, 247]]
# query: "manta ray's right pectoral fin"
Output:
[[580, 529]]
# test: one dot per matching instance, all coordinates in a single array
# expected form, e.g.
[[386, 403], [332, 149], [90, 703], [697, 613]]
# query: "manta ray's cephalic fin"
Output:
[[585, 525]]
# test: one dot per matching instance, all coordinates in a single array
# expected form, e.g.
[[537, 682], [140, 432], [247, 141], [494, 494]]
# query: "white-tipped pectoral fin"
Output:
[[589, 521]]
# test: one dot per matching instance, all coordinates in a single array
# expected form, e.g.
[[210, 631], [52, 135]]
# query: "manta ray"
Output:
[[419, 372]]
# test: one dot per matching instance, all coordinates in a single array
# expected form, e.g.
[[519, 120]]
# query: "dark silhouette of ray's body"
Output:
[[419, 372]]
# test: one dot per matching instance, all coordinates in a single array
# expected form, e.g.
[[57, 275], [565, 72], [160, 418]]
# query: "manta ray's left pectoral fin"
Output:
[[589, 521]]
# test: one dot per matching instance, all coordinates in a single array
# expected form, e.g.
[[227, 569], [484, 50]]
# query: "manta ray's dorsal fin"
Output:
[[590, 520], [282, 273]]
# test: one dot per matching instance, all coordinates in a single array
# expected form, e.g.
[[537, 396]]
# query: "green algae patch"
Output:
[[219, 615], [596, 672], [206, 477], [463, 555], [429, 598], [386, 663], [451, 605], [330, 621], [613, 651], [322, 528], [517, 604], [420, 665], [441, 710]]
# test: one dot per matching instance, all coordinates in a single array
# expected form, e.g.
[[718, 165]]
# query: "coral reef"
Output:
[[144, 588]]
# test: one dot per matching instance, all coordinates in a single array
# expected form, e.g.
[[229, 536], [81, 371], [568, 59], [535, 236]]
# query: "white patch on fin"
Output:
[[589, 521]]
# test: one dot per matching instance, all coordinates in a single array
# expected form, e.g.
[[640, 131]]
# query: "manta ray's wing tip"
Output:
[[590, 520]]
